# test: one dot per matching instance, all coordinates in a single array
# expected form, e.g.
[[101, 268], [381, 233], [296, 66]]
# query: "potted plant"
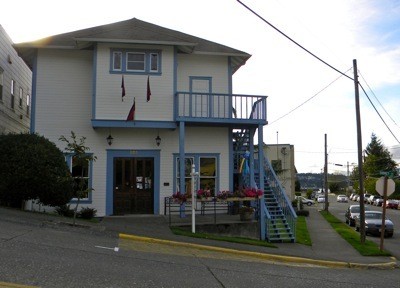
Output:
[[246, 213]]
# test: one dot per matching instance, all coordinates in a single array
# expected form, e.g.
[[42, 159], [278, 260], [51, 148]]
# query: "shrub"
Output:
[[87, 213], [64, 210], [32, 167], [305, 213]]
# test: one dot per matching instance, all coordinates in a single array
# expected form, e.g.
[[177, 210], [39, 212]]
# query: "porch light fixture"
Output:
[[109, 139], [158, 140]]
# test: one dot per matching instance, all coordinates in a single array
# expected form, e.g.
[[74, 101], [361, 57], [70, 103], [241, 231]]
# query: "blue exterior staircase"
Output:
[[279, 215]]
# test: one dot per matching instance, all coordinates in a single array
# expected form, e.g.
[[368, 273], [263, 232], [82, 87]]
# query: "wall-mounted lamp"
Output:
[[158, 140], [109, 139]]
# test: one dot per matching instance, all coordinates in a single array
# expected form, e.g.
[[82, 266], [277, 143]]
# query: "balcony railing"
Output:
[[220, 108]]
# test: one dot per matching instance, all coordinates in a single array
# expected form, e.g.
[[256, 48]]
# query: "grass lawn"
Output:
[[185, 232], [302, 236], [370, 248]]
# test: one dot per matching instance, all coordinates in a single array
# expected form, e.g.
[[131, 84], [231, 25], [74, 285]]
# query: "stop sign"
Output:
[[380, 184]]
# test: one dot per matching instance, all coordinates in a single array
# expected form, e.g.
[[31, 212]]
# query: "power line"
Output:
[[378, 112], [378, 100], [302, 47], [316, 94]]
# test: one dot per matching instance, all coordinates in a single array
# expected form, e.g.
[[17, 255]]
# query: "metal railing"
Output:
[[281, 197], [220, 106]]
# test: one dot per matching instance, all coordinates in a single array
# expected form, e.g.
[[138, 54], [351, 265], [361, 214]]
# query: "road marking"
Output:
[[116, 249], [14, 285]]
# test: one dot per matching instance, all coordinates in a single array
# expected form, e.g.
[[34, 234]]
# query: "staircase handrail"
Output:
[[280, 191]]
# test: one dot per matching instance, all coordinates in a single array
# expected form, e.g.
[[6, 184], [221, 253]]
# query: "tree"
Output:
[[81, 159], [297, 186], [32, 167], [378, 159]]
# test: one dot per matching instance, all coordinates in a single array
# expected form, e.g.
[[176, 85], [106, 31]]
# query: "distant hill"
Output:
[[316, 180]]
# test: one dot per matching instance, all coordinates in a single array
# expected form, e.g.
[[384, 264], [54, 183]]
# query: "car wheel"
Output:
[[389, 235], [309, 203], [357, 228]]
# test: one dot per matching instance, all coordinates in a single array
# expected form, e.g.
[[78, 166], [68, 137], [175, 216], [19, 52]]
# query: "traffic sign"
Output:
[[380, 184]]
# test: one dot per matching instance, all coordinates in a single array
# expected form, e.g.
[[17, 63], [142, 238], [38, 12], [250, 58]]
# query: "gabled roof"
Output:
[[133, 31]]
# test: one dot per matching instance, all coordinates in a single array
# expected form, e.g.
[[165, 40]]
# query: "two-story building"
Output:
[[15, 88], [151, 103]]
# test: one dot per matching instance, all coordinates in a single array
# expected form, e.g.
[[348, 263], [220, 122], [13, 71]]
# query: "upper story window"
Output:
[[135, 61], [12, 93], [28, 104], [117, 61], [21, 93]]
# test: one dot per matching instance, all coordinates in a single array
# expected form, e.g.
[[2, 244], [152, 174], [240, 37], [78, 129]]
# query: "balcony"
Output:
[[220, 109]]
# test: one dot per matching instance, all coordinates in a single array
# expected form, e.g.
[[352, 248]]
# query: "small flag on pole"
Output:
[[131, 115], [123, 88], [148, 89]]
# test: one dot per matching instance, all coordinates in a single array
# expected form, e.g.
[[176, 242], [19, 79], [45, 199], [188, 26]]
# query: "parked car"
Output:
[[352, 212], [342, 198], [378, 202], [352, 195], [321, 199], [373, 224], [372, 199], [366, 197], [305, 201], [392, 204]]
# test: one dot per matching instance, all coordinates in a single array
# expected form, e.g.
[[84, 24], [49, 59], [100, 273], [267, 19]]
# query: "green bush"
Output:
[[305, 213], [87, 213], [34, 168], [65, 210]]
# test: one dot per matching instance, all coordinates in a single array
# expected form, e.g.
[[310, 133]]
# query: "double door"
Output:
[[133, 186]]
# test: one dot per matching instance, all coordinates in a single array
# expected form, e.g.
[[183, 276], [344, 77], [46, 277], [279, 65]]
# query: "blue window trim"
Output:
[[68, 159], [147, 53], [196, 157]]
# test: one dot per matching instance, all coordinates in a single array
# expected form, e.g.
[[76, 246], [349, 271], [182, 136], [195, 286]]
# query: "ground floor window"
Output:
[[206, 165], [80, 171]]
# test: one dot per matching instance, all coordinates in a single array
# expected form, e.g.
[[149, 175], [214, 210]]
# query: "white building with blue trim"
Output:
[[191, 116]]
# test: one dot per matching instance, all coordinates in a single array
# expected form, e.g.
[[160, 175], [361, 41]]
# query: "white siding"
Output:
[[215, 67], [64, 103], [13, 120], [108, 88]]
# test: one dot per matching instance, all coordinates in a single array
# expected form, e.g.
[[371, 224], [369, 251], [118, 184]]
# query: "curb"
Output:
[[271, 257]]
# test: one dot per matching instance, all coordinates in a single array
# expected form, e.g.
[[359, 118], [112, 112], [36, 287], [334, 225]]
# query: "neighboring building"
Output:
[[281, 157], [180, 87], [15, 88]]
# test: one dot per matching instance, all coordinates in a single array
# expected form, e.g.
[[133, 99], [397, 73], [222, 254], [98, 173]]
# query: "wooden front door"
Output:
[[133, 186]]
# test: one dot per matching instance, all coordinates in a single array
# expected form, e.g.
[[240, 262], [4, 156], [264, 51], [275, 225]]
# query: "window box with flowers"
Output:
[[204, 195]]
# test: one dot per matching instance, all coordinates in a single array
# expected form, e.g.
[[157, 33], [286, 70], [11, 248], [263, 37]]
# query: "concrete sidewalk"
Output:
[[328, 248]]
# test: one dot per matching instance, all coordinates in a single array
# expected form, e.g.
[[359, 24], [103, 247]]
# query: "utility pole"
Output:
[[360, 158], [326, 174]]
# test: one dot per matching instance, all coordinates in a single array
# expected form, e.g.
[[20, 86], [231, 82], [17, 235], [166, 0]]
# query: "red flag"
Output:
[[148, 89], [123, 88], [131, 115]]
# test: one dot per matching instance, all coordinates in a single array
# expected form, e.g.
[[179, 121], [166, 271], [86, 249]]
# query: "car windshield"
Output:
[[373, 215], [355, 209]]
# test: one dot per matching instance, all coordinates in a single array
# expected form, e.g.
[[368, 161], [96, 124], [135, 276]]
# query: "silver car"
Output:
[[373, 224]]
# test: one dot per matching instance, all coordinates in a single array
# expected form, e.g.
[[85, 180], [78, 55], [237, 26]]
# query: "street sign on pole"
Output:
[[385, 187], [380, 183]]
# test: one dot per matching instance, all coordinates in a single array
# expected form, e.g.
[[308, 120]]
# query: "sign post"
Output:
[[385, 187], [193, 174]]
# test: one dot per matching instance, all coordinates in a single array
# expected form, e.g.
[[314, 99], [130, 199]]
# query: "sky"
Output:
[[307, 99]]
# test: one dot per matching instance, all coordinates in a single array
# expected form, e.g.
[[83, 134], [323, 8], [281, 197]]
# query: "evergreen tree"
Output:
[[378, 159]]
